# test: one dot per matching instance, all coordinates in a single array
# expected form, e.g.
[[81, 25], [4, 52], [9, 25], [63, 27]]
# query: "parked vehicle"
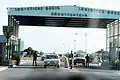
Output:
[[79, 58], [51, 60]]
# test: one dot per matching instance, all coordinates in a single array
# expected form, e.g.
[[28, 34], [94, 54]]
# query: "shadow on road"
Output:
[[27, 66], [90, 67]]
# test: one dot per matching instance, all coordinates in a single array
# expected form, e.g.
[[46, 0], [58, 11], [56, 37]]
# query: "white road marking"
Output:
[[74, 70], [70, 70]]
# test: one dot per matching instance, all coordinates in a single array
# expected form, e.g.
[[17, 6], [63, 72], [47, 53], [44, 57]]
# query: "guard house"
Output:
[[3, 46]]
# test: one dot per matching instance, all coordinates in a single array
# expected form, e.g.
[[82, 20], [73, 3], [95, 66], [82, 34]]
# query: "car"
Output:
[[51, 60], [79, 58]]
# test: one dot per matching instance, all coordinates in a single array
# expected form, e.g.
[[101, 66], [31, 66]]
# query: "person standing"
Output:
[[87, 60], [70, 63], [35, 58], [70, 60]]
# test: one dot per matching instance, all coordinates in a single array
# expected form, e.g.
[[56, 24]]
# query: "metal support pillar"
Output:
[[107, 37], [7, 50], [118, 22], [74, 46], [19, 46]]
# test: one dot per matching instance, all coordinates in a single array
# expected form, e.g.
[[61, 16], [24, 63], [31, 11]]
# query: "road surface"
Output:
[[28, 72]]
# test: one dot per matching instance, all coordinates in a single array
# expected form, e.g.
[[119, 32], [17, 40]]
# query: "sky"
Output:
[[48, 39]]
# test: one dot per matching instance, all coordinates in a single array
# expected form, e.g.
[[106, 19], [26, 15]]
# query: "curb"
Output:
[[20, 64], [4, 68]]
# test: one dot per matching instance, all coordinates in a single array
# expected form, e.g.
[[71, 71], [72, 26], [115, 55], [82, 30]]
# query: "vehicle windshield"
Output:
[[51, 57], [79, 55]]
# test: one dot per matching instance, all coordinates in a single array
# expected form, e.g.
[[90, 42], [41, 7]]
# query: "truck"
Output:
[[79, 58]]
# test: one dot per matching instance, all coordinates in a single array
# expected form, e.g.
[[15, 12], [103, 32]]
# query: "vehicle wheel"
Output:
[[58, 66], [74, 63], [45, 66]]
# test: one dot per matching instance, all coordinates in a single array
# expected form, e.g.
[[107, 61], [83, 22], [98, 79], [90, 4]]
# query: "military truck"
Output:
[[79, 58]]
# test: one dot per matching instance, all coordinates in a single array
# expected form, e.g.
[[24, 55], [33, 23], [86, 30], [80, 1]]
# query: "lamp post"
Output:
[[75, 42], [74, 45], [64, 48], [86, 42]]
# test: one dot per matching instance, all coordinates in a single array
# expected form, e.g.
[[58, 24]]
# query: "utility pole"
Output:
[[75, 42], [74, 45], [86, 42]]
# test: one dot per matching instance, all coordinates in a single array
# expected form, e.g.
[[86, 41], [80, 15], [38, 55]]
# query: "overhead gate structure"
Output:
[[69, 16]]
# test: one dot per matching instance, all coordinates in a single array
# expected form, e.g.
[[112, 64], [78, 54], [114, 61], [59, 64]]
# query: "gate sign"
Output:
[[8, 31], [64, 11]]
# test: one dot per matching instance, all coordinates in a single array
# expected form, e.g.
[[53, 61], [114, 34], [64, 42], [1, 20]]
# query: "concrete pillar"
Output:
[[9, 20], [18, 29], [113, 47], [14, 26], [3, 52], [107, 36], [118, 34], [19, 46]]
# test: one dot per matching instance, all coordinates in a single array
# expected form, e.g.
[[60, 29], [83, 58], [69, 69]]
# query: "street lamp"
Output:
[[75, 42], [74, 45], [86, 42], [63, 47]]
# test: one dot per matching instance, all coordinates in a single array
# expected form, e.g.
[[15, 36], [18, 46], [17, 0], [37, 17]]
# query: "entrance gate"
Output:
[[60, 16]]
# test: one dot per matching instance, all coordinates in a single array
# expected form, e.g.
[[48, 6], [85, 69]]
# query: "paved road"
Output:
[[28, 72], [97, 73]]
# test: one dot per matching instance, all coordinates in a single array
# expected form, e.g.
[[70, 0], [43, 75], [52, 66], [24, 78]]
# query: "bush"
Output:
[[13, 57]]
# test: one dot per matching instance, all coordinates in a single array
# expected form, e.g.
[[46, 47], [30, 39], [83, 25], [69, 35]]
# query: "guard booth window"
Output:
[[51, 57], [112, 30], [116, 29], [119, 26], [108, 32]]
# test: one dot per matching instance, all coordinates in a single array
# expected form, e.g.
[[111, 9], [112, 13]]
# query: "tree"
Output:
[[30, 49], [67, 54], [41, 53]]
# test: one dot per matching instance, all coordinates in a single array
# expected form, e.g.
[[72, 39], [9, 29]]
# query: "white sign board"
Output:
[[64, 11]]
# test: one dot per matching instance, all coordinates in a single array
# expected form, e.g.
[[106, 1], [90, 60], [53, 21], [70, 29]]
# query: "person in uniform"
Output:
[[87, 60], [35, 58]]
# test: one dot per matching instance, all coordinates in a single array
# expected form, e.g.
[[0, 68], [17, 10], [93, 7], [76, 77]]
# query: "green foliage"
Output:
[[41, 53]]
